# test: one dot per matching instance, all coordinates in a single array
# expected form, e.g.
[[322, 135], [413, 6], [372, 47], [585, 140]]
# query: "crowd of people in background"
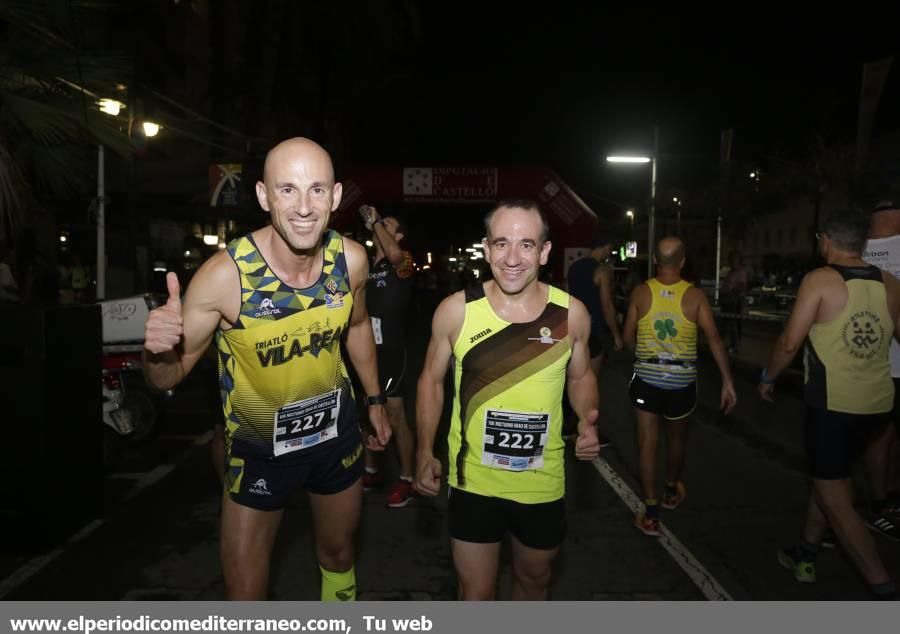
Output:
[[27, 276]]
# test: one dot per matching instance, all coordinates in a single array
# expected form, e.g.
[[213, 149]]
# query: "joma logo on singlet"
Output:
[[481, 334], [279, 354]]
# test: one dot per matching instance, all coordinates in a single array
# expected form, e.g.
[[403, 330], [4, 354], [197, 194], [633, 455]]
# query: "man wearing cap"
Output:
[[591, 281]]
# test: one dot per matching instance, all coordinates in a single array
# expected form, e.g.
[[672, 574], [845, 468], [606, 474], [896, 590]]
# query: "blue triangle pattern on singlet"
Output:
[[227, 382]]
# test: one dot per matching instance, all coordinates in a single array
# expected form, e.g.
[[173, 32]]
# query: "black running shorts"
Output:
[[671, 404], [392, 370], [834, 440], [486, 520], [895, 414]]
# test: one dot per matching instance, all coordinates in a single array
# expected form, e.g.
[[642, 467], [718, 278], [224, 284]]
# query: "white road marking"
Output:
[[701, 577]]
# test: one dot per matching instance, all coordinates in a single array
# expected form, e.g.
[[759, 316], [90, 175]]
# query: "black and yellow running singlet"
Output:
[[284, 386], [505, 426]]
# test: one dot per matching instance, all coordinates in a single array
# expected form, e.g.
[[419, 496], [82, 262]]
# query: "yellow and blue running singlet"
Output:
[[285, 390]]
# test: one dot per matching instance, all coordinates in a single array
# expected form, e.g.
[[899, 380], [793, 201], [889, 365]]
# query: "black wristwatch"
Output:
[[378, 399]]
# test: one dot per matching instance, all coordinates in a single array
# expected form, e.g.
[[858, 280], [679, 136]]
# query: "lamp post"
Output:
[[677, 202], [112, 108], [651, 223]]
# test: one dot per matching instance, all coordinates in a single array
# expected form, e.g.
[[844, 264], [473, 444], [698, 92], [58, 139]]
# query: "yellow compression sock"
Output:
[[338, 586]]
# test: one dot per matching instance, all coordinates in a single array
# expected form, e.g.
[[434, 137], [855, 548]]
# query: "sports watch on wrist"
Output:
[[378, 399]]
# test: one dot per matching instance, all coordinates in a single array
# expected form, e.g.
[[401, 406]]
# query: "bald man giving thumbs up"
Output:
[[279, 302]]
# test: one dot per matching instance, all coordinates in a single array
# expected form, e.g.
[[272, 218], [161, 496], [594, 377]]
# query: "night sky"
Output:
[[562, 84]]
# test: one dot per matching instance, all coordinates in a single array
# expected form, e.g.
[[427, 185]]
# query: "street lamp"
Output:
[[651, 224], [151, 129], [678, 212], [754, 176], [112, 108]]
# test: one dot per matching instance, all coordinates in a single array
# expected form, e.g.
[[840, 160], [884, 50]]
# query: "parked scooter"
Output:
[[132, 411], [129, 408]]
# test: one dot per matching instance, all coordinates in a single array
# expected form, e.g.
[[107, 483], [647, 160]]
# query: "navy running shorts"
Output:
[[267, 483]]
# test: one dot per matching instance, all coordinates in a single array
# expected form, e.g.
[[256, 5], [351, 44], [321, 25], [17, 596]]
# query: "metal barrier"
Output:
[[750, 317]]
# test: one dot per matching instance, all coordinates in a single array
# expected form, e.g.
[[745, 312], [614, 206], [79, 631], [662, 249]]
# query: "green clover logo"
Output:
[[664, 328]]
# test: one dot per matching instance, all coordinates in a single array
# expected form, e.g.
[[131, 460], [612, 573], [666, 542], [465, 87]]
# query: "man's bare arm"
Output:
[[445, 325], [581, 383], [360, 340], [892, 290], [361, 343], [803, 315], [632, 317], [605, 279], [177, 334], [389, 245], [707, 323]]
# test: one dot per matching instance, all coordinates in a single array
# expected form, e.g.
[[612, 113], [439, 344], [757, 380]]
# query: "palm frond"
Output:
[[13, 188]]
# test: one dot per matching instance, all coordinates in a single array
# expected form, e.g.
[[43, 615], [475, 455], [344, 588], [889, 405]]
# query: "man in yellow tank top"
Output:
[[846, 313], [663, 316], [279, 301], [516, 343]]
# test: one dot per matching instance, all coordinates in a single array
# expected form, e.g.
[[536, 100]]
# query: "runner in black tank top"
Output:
[[388, 295], [591, 282]]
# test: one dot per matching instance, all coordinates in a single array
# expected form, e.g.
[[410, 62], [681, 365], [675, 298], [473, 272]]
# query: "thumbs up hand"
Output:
[[165, 326], [587, 445]]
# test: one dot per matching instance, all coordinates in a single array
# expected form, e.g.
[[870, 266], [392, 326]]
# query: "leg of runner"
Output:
[[371, 478], [217, 451], [476, 566], [335, 519], [596, 366], [532, 570], [247, 539], [877, 461], [648, 443], [677, 431], [835, 499], [401, 493]]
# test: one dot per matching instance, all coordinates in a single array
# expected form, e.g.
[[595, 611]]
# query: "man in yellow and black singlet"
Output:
[[663, 316], [516, 343], [846, 313], [278, 302]]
